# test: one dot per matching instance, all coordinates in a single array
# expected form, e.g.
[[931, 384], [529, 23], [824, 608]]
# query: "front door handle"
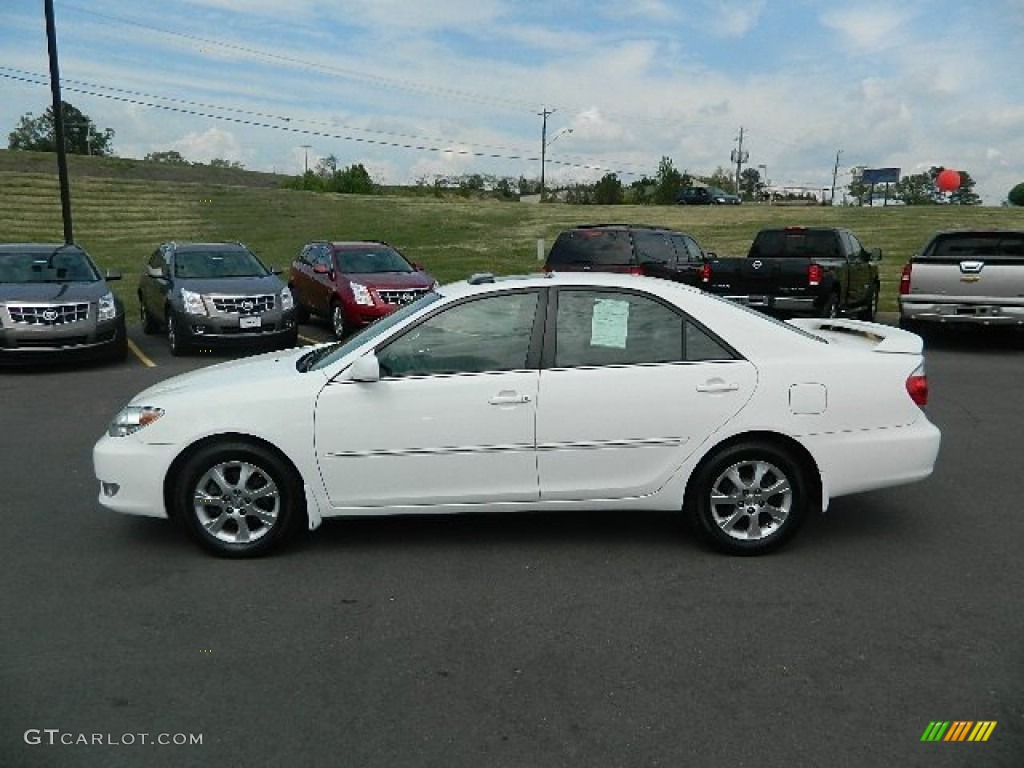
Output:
[[507, 397], [717, 385]]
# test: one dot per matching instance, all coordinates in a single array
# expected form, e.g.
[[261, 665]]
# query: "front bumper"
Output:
[[87, 338], [131, 474], [961, 313], [227, 329]]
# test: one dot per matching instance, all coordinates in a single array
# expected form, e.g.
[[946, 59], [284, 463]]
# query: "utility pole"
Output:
[[545, 114], [835, 172], [739, 157], [58, 122], [305, 166]]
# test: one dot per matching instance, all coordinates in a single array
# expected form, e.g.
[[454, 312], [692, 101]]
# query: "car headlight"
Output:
[[287, 302], [361, 294], [133, 418], [435, 286], [107, 308], [194, 304]]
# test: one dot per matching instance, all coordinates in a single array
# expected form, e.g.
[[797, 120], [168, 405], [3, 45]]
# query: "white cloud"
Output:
[[211, 143]]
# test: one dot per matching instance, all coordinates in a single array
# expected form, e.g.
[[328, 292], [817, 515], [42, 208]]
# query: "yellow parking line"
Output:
[[308, 340], [138, 353]]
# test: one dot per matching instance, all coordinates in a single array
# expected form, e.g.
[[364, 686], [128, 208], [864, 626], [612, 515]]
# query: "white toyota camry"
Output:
[[547, 392]]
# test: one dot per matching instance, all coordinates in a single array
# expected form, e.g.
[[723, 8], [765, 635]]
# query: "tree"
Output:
[[220, 162], [917, 189], [750, 183], [608, 191], [964, 194], [668, 182], [720, 178], [81, 136], [168, 157], [1016, 196]]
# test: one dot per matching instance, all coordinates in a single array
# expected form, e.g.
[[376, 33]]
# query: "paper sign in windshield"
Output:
[[609, 324]]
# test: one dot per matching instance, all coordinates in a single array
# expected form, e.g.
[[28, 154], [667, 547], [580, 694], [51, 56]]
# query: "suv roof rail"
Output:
[[625, 225]]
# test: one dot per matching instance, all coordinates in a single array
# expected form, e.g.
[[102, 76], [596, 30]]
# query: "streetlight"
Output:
[[305, 164], [764, 171], [544, 144]]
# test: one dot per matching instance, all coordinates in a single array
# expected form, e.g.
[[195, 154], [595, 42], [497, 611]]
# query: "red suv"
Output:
[[354, 283]]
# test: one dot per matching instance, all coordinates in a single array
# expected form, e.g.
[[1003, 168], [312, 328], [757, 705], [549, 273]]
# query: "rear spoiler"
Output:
[[885, 338]]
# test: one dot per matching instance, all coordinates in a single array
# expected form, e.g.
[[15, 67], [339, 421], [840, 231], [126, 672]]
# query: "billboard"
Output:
[[880, 175]]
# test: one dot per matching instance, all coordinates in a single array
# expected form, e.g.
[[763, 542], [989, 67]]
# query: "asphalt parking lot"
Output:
[[496, 640]]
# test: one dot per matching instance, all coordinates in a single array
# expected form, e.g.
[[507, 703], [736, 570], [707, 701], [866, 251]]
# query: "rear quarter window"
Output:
[[591, 246], [969, 245]]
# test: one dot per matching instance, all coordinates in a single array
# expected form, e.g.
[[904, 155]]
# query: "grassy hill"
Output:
[[123, 208]]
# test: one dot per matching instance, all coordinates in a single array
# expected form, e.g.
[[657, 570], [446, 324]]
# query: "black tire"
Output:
[[251, 499], [290, 341], [870, 312], [149, 324], [338, 325], [174, 342], [746, 519], [830, 308]]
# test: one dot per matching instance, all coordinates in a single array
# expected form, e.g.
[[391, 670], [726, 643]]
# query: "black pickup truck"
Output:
[[817, 271]]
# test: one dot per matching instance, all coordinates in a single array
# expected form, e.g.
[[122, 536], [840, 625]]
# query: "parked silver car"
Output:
[[965, 277], [215, 294], [54, 302]]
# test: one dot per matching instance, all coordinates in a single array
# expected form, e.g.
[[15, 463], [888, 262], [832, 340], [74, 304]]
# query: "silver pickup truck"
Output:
[[965, 277]]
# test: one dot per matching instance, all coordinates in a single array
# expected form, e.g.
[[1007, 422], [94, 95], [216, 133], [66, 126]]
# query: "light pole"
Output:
[[544, 144], [305, 159], [764, 171]]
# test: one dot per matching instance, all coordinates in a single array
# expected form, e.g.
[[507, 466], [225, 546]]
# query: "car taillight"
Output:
[[636, 270], [917, 387], [814, 274], [704, 273], [905, 279], [545, 269]]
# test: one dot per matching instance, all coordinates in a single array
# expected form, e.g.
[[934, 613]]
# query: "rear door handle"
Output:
[[717, 385]]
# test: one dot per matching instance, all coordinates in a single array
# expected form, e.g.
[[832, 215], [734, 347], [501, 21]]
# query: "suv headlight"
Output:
[[107, 308], [133, 418], [361, 294], [287, 302], [194, 304]]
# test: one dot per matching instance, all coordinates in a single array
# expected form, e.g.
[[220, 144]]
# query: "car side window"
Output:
[[488, 334], [687, 249], [322, 255], [856, 249], [156, 261], [652, 246], [612, 328], [701, 346]]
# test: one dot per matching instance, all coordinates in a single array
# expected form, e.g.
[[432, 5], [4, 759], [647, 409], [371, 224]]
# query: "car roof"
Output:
[[206, 246], [46, 248], [351, 245], [487, 283]]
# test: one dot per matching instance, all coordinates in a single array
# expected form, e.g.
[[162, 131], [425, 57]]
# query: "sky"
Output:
[[414, 89]]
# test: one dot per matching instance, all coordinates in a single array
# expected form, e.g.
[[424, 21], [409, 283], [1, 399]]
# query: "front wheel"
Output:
[[749, 498], [237, 499], [871, 310], [338, 324], [177, 346]]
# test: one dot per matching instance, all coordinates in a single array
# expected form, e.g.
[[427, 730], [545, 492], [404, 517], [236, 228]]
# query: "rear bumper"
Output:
[[852, 462], [791, 304], [961, 312]]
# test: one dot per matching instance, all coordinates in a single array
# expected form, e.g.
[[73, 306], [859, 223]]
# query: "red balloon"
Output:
[[948, 180]]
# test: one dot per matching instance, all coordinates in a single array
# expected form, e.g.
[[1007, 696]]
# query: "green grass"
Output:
[[121, 212]]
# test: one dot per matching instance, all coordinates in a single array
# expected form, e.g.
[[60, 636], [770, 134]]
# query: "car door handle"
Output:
[[717, 385], [509, 398]]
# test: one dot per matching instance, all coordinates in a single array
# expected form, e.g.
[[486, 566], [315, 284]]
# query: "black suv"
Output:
[[55, 302], [706, 196], [214, 294], [633, 248]]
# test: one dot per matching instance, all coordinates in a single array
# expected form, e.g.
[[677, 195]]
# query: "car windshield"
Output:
[[327, 355], [235, 262], [71, 266], [591, 246], [987, 245], [370, 260]]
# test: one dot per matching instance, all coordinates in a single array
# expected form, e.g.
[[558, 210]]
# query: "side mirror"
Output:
[[366, 369], [321, 269], [276, 271], [112, 275], [875, 254], [417, 266], [156, 272]]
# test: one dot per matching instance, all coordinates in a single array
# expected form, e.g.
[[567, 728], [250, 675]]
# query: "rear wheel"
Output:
[[237, 499], [831, 307], [749, 498]]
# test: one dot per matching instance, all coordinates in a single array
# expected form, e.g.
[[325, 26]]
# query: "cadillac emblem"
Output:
[[248, 305], [49, 315]]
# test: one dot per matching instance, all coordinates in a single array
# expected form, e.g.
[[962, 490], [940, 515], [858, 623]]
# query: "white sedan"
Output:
[[548, 392]]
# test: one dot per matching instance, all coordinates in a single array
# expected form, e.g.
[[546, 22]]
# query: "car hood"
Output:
[[268, 371], [231, 286], [53, 292], [397, 280]]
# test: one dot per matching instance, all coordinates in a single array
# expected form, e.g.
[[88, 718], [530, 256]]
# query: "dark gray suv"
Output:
[[214, 295], [54, 302]]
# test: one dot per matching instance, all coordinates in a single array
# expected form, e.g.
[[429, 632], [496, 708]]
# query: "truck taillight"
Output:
[[704, 273], [636, 270], [814, 274], [905, 279], [917, 386]]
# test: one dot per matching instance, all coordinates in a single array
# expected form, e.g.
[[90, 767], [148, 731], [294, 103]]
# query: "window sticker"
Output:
[[609, 324]]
